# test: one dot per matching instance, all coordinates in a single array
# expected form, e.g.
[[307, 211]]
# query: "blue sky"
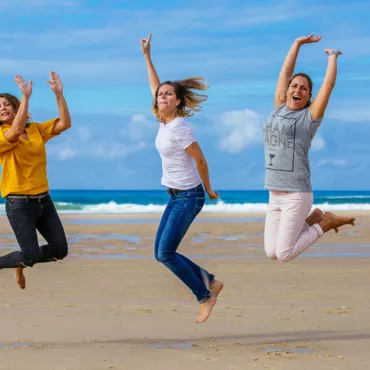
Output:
[[237, 45]]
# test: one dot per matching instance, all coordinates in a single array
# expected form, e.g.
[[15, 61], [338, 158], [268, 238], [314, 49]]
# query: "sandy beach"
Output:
[[110, 305]]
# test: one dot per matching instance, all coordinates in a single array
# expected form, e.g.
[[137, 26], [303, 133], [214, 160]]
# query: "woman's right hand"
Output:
[[145, 45], [26, 88], [213, 194], [308, 39]]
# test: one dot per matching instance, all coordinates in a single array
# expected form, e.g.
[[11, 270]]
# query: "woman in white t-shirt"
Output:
[[178, 148]]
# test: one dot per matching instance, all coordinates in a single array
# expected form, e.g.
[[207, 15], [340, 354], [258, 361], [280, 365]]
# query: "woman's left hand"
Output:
[[55, 83], [213, 194]]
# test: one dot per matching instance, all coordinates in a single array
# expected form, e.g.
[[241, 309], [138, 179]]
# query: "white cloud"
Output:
[[238, 129], [69, 38], [21, 6], [331, 163], [66, 153], [111, 151], [318, 143], [140, 128], [67, 68], [261, 15], [353, 112], [84, 133]]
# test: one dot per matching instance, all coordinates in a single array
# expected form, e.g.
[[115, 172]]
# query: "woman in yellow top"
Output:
[[24, 179]]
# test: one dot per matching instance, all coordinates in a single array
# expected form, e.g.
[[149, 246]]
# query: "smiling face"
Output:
[[299, 93], [7, 111], [167, 100]]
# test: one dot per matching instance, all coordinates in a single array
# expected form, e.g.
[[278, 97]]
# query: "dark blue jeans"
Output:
[[180, 212], [27, 215]]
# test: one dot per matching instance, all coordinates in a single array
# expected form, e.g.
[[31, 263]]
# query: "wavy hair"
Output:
[[190, 101]]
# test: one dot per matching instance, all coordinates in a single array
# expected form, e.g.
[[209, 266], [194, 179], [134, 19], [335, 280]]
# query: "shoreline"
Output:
[[201, 215]]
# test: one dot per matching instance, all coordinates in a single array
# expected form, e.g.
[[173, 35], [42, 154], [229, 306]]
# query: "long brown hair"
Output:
[[190, 101]]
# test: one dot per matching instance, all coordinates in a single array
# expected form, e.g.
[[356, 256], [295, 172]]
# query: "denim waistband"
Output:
[[173, 192], [22, 196]]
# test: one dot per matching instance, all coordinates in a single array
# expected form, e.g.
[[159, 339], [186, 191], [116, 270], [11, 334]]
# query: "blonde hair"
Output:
[[190, 101]]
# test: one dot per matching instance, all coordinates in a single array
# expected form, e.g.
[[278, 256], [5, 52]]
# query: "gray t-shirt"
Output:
[[288, 135]]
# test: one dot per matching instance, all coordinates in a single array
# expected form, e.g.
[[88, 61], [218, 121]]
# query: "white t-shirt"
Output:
[[177, 165]]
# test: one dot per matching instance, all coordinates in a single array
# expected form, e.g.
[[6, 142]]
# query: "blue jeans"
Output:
[[26, 215], [180, 212]]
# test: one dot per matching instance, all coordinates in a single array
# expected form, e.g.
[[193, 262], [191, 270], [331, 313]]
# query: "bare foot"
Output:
[[332, 221], [206, 308], [19, 277], [315, 217]]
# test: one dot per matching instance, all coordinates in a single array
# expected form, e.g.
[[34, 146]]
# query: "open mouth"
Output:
[[296, 98]]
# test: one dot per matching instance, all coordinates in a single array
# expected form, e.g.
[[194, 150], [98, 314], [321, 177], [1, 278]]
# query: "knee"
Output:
[[30, 258], [284, 256], [164, 257], [272, 256], [270, 252], [61, 250]]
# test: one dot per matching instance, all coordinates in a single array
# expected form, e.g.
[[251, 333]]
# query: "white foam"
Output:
[[220, 206], [113, 207]]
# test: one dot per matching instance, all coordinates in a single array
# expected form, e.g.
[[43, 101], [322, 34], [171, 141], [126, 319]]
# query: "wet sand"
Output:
[[110, 305]]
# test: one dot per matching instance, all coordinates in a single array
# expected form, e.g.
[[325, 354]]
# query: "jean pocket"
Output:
[[199, 203], [19, 204]]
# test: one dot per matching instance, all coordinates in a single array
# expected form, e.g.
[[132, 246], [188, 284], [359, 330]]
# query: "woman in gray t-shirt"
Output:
[[289, 229]]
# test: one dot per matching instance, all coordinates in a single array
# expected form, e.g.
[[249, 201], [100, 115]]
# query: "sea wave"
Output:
[[347, 197], [131, 208]]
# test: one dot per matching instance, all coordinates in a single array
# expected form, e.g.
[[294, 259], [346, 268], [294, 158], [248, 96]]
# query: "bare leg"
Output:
[[315, 217], [19, 277], [206, 307], [331, 221]]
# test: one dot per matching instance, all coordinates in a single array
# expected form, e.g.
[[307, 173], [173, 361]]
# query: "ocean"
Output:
[[154, 201]]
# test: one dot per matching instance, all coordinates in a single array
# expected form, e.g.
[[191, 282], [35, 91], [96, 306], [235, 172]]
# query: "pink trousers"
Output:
[[287, 235]]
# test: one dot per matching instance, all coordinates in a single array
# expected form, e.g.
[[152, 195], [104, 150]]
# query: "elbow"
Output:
[[66, 124], [330, 84]]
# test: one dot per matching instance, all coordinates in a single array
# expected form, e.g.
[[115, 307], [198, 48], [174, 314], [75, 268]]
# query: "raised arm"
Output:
[[321, 101], [20, 119], [152, 74], [287, 70], [202, 167], [64, 121]]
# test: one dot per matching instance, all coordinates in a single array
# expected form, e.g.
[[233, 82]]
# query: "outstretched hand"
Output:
[[55, 83], [308, 39], [145, 44], [26, 88]]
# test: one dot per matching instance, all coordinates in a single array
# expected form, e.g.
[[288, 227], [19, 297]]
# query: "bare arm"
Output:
[[152, 74], [200, 161], [20, 119], [287, 70], [321, 101], [64, 121]]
